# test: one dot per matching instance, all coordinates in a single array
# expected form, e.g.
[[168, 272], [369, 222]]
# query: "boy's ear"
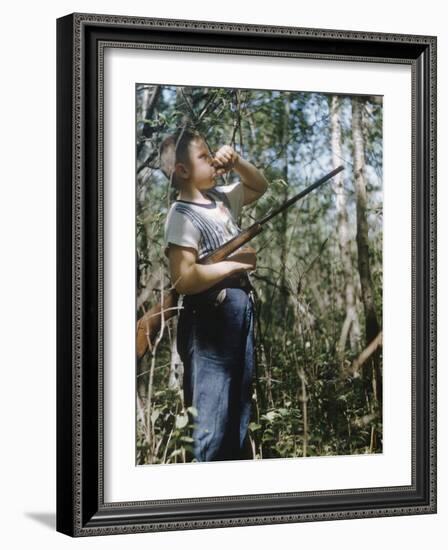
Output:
[[181, 170]]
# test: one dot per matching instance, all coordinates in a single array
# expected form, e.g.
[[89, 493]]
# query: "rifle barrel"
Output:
[[302, 194]]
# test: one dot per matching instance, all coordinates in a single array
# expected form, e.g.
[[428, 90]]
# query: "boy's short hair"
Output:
[[174, 149]]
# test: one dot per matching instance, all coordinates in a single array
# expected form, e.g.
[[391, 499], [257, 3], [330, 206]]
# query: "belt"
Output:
[[234, 281]]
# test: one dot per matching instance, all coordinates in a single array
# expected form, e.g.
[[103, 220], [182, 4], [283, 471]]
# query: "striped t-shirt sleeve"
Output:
[[180, 230]]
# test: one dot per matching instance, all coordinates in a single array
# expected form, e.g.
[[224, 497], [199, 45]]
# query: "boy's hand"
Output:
[[225, 159], [254, 182], [246, 256]]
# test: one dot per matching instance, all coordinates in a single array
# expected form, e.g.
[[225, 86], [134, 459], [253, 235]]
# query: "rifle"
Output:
[[149, 324]]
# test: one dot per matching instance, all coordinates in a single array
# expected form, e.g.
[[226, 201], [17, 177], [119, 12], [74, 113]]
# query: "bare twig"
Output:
[[140, 412], [304, 400], [367, 352], [150, 431]]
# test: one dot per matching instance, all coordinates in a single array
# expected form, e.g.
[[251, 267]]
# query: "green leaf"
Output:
[[177, 452], [193, 411], [270, 415], [155, 415], [181, 421], [253, 426]]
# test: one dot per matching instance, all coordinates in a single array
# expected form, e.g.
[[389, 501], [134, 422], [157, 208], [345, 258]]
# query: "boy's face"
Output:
[[202, 172]]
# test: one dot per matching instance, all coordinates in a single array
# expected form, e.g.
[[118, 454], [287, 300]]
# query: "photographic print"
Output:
[[246, 237], [259, 237]]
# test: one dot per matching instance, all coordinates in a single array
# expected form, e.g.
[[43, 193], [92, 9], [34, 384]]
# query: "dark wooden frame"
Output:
[[81, 510]]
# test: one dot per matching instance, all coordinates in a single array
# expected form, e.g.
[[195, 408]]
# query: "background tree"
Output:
[[351, 322]]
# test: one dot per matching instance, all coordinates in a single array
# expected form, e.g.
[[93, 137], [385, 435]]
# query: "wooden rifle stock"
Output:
[[148, 326], [228, 248]]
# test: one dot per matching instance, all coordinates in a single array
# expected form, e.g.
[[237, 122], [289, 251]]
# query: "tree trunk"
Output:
[[284, 216], [350, 327], [372, 369]]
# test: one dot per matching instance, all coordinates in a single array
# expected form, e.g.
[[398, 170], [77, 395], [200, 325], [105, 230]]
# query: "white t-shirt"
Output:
[[205, 227]]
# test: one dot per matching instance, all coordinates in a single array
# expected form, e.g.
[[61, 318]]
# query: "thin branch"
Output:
[[367, 352]]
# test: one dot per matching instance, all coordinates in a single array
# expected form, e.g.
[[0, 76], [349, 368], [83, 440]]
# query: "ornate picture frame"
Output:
[[81, 43]]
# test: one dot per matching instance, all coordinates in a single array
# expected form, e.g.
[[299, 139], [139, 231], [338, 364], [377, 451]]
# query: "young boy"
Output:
[[215, 329]]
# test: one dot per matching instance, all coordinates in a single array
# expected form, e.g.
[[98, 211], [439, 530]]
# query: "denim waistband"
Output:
[[236, 281]]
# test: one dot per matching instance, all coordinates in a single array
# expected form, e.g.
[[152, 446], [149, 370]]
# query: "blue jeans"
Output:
[[215, 341]]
